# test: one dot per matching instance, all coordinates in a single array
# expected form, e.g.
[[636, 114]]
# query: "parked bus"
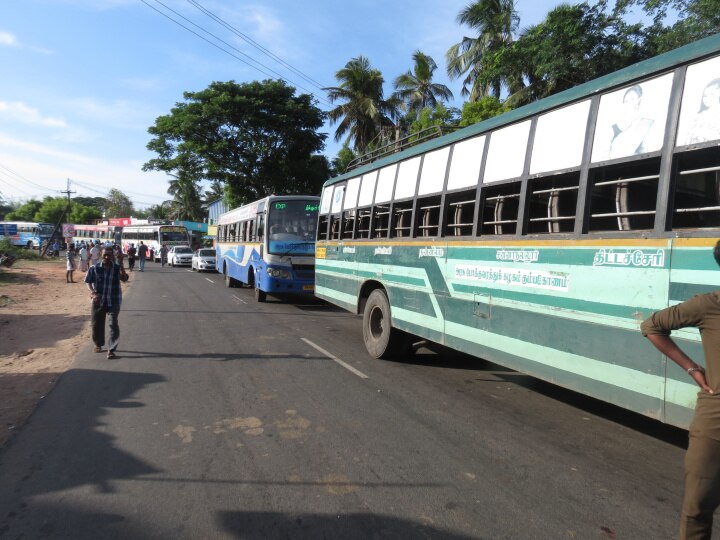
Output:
[[92, 233], [27, 234], [542, 238], [270, 245], [154, 236]]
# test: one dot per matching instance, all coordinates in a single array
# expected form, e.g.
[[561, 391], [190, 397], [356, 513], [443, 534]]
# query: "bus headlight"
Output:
[[278, 273]]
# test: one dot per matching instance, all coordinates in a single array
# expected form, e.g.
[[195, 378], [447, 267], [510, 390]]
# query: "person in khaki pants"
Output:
[[702, 460]]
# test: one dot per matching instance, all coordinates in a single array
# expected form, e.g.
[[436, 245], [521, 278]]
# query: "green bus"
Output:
[[542, 238]]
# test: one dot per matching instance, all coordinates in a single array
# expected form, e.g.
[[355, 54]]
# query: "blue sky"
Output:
[[82, 80]]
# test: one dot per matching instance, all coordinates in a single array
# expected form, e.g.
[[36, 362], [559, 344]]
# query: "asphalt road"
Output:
[[225, 418]]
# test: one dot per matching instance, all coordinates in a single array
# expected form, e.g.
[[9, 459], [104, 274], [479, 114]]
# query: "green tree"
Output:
[[477, 111], [118, 205], [186, 204], [341, 162], [92, 202], [438, 116], [52, 210], [81, 214], [215, 192], [417, 89], [572, 45], [255, 138], [695, 19], [25, 212], [494, 22], [363, 112]]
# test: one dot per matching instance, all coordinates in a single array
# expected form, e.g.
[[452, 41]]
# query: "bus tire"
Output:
[[230, 283], [260, 295], [29, 245], [381, 339]]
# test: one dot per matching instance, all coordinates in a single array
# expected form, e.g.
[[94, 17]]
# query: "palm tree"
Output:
[[215, 192], [364, 112], [416, 88], [495, 21], [186, 203]]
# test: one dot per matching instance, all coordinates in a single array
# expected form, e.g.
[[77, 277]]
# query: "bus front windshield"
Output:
[[173, 235], [291, 227], [45, 229]]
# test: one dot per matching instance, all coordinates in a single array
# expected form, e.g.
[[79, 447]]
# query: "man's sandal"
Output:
[[111, 354], [97, 349]]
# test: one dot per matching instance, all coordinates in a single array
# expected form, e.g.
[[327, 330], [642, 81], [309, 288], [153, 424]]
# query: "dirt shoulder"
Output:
[[44, 322]]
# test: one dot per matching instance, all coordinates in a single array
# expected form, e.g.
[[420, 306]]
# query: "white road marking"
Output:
[[238, 298], [210, 280], [336, 359]]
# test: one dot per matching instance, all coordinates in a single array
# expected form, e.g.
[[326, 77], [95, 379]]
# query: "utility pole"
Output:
[[62, 216]]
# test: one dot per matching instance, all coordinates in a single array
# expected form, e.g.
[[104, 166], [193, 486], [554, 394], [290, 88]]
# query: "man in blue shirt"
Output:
[[103, 280]]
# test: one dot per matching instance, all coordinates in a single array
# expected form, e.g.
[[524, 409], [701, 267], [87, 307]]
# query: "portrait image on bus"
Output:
[[700, 111]]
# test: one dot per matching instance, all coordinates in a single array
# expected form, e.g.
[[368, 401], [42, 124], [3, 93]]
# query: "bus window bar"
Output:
[[429, 207], [557, 190], [503, 197], [456, 225], [628, 180], [703, 209], [461, 203], [402, 228], [559, 218], [622, 214], [500, 222], [427, 227], [695, 171]]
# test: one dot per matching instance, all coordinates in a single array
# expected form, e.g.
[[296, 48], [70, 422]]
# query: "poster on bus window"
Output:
[[631, 121], [700, 108]]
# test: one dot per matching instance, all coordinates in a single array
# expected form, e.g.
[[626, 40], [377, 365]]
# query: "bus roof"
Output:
[[665, 62]]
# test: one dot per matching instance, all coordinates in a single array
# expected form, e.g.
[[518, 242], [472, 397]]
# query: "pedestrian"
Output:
[[163, 254], [702, 460], [131, 252], [71, 264], [83, 257], [56, 249], [142, 254], [103, 281], [94, 254]]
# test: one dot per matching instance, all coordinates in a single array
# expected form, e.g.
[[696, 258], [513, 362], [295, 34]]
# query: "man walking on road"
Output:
[[702, 460], [163, 254], [103, 281], [142, 255]]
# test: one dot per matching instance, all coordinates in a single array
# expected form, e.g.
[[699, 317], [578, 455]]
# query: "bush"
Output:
[[6, 246]]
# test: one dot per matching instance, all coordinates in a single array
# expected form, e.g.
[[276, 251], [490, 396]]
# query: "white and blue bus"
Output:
[[27, 234], [270, 245]]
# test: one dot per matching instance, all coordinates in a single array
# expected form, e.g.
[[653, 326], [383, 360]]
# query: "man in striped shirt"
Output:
[[103, 280]]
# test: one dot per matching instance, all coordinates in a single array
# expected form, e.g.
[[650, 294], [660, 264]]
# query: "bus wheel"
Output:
[[381, 339], [29, 245], [260, 295], [230, 282]]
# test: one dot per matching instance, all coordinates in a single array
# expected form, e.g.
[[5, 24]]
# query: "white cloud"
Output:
[[20, 112], [8, 40]]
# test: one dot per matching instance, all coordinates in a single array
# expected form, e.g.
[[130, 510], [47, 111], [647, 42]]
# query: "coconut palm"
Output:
[[186, 203], [416, 88], [495, 21], [215, 192], [364, 111]]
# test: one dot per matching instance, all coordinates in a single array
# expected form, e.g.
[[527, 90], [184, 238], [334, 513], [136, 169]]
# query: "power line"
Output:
[[255, 44], [278, 75], [21, 177]]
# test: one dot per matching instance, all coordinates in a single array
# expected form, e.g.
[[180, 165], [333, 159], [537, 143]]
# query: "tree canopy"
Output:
[[256, 138]]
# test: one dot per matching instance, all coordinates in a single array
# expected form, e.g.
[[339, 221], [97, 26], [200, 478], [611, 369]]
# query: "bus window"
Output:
[[460, 212], [697, 190], [401, 219], [500, 209], [553, 202]]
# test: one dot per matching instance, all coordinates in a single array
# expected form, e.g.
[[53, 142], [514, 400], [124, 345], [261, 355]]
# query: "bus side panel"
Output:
[[563, 314], [238, 259], [693, 271], [336, 274]]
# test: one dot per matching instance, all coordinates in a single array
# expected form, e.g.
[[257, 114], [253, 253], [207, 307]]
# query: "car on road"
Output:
[[203, 259], [180, 256]]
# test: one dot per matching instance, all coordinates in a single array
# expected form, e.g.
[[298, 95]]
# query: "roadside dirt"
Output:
[[44, 322]]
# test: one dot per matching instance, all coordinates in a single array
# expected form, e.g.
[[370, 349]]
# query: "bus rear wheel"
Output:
[[381, 339], [260, 295]]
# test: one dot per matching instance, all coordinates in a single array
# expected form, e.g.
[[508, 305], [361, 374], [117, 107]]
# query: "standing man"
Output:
[[103, 281], [163, 254], [131, 252], [142, 255], [94, 254], [702, 460]]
